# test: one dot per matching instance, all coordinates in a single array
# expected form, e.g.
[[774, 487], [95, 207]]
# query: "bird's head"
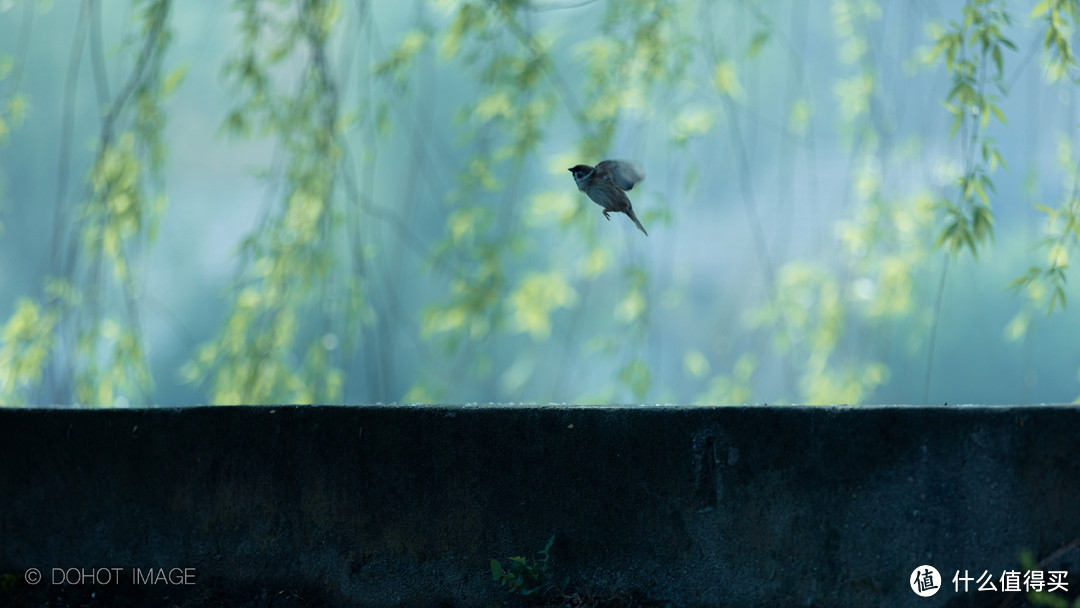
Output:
[[581, 173]]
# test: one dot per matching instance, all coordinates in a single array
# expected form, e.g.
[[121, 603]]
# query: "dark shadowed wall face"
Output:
[[847, 201], [407, 506]]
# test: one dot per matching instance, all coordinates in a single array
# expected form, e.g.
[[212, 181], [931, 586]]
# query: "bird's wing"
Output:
[[623, 174]]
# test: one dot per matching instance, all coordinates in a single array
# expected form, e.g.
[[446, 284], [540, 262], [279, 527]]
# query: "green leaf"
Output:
[[947, 235], [956, 124], [726, 80], [983, 223], [997, 159], [758, 42], [1040, 9], [175, 77], [978, 184], [1022, 281], [1059, 296], [695, 364], [963, 91], [636, 376]]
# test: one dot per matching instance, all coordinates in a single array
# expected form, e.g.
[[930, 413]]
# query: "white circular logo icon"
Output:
[[925, 581]]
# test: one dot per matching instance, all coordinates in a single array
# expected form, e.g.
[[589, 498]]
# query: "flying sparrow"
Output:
[[606, 184]]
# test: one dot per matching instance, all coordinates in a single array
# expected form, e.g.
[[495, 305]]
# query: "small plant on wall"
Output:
[[522, 575]]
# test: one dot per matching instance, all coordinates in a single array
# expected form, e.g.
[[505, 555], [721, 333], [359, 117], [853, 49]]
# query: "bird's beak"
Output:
[[571, 169]]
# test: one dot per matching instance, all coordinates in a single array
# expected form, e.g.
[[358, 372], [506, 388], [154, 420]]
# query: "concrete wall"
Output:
[[388, 506]]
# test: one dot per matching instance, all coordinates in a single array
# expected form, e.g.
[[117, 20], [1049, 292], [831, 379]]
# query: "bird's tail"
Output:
[[630, 212]]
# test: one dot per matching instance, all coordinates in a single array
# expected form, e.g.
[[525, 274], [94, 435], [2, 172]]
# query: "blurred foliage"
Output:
[[84, 331], [973, 49], [819, 313], [636, 52], [459, 261], [280, 341], [1060, 19], [1044, 582]]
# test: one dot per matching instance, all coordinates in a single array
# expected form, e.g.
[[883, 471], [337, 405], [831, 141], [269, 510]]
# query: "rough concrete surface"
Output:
[[406, 505]]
